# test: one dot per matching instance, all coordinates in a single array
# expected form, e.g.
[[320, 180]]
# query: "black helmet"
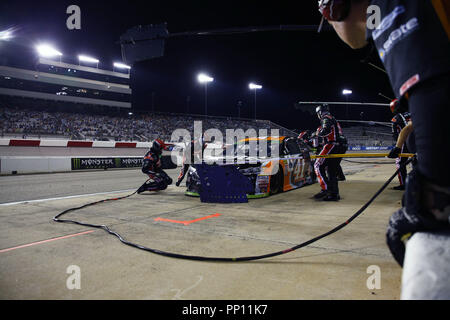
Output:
[[320, 110], [157, 146]]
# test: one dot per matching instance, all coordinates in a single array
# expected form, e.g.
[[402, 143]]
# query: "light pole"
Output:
[[346, 93], [255, 87], [239, 105], [188, 101], [153, 102], [205, 79]]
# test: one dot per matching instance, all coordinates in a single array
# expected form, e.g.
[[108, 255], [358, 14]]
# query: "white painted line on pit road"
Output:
[[63, 198]]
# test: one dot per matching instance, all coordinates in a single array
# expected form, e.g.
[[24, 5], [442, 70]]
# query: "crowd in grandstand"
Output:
[[146, 127], [137, 127]]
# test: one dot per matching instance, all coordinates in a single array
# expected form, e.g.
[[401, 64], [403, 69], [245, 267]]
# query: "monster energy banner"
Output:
[[107, 163]]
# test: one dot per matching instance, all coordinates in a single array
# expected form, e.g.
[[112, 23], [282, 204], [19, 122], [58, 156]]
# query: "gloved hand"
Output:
[[178, 183], [401, 227], [417, 215], [394, 153]]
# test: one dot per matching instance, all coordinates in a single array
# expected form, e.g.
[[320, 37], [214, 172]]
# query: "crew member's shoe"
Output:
[[402, 187], [141, 189], [332, 197], [321, 194]]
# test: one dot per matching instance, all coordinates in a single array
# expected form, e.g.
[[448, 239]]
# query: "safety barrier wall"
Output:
[[23, 165], [72, 143], [61, 148], [11, 165]]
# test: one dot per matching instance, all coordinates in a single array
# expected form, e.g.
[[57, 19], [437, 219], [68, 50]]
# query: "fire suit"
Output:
[[327, 169], [398, 123], [151, 166]]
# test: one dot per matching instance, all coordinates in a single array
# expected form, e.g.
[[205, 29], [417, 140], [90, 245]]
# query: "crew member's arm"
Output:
[[325, 128], [401, 140], [353, 30], [406, 131], [148, 165]]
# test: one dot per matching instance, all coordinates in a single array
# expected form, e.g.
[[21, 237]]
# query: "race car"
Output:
[[285, 166]]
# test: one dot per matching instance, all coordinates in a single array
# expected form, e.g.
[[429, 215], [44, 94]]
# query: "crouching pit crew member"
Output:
[[151, 166]]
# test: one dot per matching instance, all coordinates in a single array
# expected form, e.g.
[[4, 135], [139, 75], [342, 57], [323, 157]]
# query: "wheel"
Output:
[[276, 182]]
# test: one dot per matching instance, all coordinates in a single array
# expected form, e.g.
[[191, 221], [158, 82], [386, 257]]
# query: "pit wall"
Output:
[[46, 156]]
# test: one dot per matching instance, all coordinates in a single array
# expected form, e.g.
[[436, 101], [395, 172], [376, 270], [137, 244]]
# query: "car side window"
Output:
[[292, 147]]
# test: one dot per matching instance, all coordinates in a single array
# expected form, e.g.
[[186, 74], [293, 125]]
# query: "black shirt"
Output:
[[411, 41]]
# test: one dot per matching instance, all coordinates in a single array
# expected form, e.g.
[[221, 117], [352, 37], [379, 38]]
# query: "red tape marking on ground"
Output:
[[45, 241], [186, 223]]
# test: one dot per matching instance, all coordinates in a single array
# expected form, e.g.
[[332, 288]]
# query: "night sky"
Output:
[[291, 66]]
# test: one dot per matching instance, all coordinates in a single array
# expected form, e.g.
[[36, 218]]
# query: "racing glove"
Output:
[[394, 153]]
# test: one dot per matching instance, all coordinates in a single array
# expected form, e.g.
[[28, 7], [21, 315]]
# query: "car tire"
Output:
[[276, 182]]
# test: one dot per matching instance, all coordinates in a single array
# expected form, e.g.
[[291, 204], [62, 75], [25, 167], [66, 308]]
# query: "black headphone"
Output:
[[335, 10]]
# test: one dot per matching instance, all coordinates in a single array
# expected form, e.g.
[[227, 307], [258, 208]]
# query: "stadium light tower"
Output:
[[347, 93], [205, 79], [255, 87], [87, 59], [119, 65], [47, 51]]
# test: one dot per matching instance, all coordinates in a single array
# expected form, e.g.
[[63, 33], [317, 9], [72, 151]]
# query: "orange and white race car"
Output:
[[285, 165]]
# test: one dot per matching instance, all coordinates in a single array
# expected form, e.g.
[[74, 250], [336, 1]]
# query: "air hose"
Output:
[[219, 259]]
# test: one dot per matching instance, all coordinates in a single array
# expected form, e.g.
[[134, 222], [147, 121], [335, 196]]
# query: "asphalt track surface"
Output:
[[35, 252], [42, 186]]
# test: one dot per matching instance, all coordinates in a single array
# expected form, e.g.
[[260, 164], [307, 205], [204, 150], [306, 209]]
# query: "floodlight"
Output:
[[254, 86], [47, 51], [347, 92], [121, 66], [203, 78], [87, 59]]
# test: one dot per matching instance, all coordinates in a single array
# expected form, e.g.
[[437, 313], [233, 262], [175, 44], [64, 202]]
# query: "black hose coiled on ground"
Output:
[[219, 259]]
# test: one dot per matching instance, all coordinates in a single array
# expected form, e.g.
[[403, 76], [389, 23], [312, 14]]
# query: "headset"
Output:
[[335, 10]]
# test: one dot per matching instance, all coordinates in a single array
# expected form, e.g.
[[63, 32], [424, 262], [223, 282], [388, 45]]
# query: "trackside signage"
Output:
[[105, 163]]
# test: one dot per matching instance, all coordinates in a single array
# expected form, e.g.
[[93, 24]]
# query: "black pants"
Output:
[[159, 181], [340, 173], [327, 169], [400, 165], [429, 104]]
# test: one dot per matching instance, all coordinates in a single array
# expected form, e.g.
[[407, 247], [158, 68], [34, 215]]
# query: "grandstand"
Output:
[[367, 134], [60, 100], [34, 122]]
